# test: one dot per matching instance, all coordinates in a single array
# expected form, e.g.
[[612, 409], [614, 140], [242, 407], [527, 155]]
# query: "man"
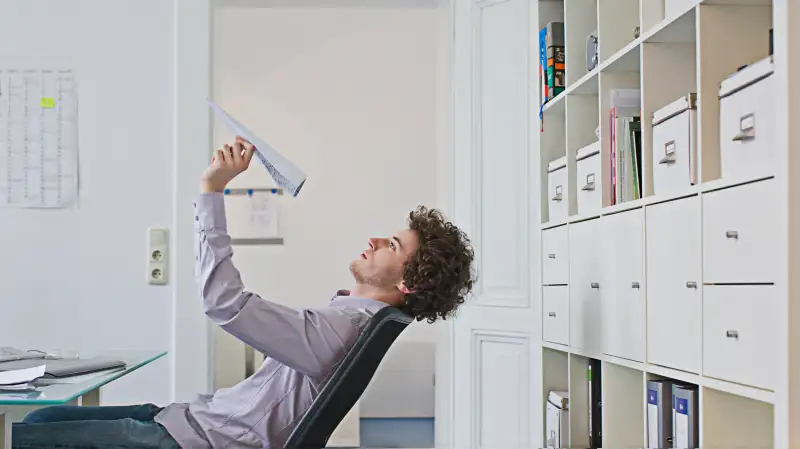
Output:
[[425, 269]]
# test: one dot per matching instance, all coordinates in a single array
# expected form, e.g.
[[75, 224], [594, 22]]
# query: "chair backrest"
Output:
[[349, 380]]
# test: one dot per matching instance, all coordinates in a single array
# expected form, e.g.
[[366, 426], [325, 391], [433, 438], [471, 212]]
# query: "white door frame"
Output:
[[191, 352], [457, 64]]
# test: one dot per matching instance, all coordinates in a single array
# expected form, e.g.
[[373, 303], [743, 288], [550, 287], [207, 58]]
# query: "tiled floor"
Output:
[[407, 433]]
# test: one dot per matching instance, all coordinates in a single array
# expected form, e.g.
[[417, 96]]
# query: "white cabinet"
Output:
[[555, 314], [555, 256], [739, 334], [585, 260], [674, 307], [739, 228], [622, 292]]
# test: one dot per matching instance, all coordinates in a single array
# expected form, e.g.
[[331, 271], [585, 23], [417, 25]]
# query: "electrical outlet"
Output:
[[157, 255]]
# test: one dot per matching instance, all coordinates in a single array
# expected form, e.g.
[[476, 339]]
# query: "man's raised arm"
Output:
[[309, 341]]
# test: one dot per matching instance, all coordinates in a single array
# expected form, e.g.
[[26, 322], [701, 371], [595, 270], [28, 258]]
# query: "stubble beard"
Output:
[[363, 279]]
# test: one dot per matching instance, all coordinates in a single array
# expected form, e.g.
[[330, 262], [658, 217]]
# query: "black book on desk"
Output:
[[56, 368]]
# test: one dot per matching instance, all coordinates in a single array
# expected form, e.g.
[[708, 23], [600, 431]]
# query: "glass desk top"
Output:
[[63, 393]]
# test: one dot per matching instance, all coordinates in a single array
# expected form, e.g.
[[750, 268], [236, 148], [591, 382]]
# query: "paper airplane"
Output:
[[285, 174]]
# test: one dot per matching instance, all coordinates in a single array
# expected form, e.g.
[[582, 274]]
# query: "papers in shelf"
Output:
[[20, 379]]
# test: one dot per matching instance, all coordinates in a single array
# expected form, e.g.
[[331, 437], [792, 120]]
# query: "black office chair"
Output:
[[349, 380]]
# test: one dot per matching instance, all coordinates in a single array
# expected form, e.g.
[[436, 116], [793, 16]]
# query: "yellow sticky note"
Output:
[[48, 103]]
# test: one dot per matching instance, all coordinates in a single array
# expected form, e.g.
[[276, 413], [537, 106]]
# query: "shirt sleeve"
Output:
[[307, 340]]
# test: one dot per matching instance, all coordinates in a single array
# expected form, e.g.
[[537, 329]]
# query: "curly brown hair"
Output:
[[439, 273]]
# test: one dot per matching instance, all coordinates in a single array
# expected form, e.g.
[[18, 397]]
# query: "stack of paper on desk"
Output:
[[285, 174], [20, 379]]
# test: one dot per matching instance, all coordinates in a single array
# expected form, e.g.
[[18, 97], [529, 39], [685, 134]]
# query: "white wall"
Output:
[[75, 279], [350, 95]]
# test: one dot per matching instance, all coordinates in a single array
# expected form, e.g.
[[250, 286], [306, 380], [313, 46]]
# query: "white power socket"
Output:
[[157, 255]]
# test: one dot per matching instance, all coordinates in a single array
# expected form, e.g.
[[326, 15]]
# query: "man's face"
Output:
[[381, 263]]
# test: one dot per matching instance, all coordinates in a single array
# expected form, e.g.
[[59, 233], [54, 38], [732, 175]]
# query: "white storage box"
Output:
[[558, 190], [558, 419], [675, 146], [590, 195], [747, 122]]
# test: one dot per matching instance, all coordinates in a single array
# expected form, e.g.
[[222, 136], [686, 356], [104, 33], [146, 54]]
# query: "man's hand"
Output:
[[226, 164]]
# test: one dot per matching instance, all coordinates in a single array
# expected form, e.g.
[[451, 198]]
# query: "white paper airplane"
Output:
[[285, 174]]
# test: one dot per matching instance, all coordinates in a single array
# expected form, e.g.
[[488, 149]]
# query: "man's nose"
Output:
[[376, 242]]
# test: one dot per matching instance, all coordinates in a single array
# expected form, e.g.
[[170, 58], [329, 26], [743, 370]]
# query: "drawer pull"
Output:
[[558, 194], [552, 314], [595, 285], [551, 256], [732, 334], [669, 153], [634, 285], [691, 284], [732, 234], [747, 128], [589, 182]]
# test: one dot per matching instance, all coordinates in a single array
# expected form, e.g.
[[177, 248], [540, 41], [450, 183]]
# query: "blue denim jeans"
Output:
[[92, 427]]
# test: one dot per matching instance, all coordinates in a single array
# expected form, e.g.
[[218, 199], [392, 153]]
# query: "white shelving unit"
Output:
[[680, 283]]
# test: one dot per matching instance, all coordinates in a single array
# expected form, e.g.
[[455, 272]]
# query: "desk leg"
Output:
[[5, 430], [91, 399]]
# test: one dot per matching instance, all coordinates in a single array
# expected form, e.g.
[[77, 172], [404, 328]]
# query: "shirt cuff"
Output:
[[209, 212]]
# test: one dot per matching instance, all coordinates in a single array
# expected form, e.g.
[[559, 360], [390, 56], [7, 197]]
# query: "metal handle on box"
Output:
[[669, 153], [747, 128], [634, 285], [595, 285], [551, 256], [552, 314], [691, 284], [732, 334], [732, 234]]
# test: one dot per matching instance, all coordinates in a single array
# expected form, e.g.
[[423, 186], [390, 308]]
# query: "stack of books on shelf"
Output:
[[552, 60], [625, 139]]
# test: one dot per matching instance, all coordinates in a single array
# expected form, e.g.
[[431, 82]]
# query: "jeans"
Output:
[[92, 427]]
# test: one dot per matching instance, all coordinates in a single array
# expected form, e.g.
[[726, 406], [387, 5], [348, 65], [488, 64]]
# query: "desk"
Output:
[[85, 393]]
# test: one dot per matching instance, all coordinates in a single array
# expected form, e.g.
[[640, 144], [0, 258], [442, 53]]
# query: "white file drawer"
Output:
[[674, 302], [747, 122], [555, 317], [555, 256], [585, 267], [739, 234], [739, 334], [590, 198], [558, 190], [675, 146]]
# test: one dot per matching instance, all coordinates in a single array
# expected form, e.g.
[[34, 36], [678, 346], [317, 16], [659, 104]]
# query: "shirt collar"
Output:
[[344, 299]]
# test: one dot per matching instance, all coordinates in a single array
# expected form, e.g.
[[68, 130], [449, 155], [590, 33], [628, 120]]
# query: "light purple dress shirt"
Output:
[[302, 347]]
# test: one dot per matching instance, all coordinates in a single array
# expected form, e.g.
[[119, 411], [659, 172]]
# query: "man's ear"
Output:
[[403, 289]]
